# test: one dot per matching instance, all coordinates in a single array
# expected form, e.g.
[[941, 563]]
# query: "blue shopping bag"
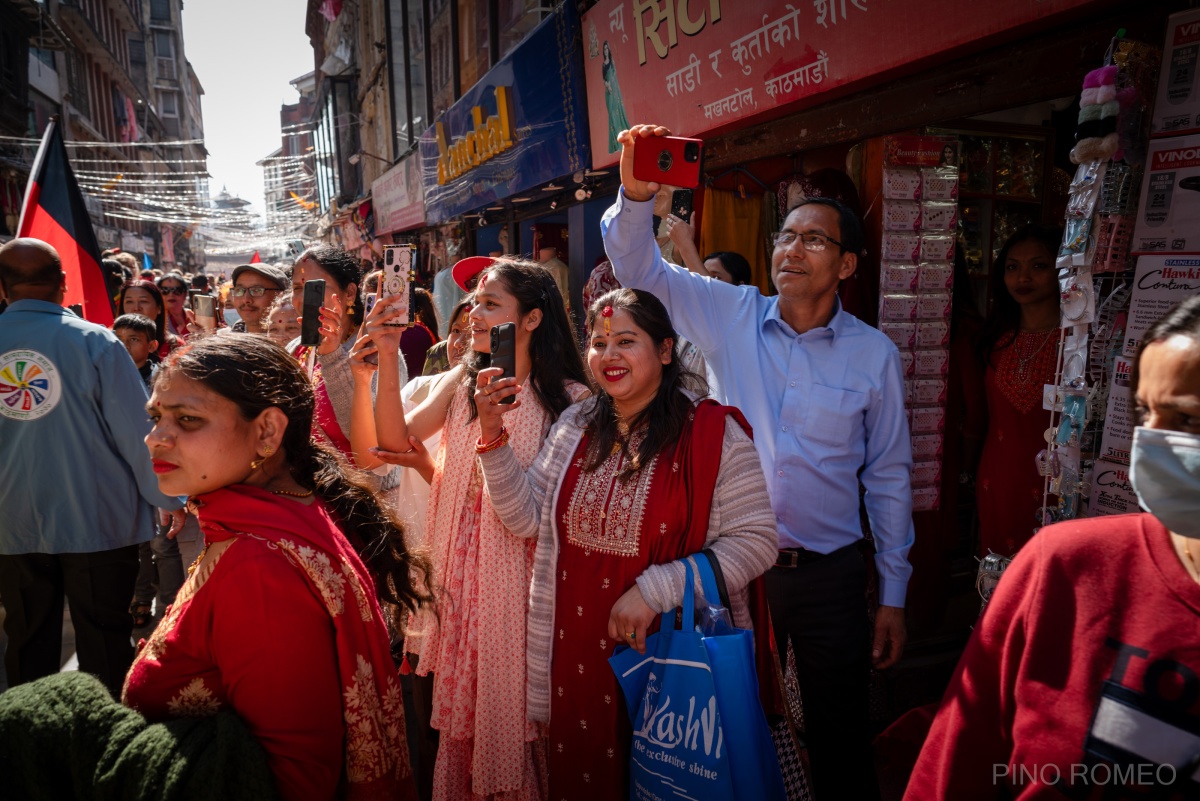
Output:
[[753, 760], [679, 750], [697, 735]]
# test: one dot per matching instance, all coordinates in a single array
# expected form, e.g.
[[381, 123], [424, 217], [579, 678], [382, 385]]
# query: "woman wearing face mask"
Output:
[[1087, 654], [629, 484], [475, 647]]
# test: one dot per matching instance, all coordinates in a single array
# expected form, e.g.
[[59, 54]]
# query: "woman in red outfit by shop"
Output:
[[1018, 349], [281, 619]]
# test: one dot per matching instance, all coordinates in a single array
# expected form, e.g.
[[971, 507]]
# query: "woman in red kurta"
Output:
[[280, 619], [1019, 347]]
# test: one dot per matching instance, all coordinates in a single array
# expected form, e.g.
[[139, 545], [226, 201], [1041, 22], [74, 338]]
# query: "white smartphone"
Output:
[[204, 307], [397, 282]]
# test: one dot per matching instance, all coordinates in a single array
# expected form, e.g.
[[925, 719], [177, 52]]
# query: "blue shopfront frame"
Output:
[[547, 110]]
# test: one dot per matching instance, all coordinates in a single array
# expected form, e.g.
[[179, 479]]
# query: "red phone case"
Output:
[[665, 160]]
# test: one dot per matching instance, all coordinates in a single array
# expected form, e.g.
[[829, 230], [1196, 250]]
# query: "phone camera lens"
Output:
[[691, 152], [665, 160]]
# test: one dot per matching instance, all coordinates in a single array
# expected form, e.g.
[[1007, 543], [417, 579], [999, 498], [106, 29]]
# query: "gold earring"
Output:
[[257, 463], [350, 309]]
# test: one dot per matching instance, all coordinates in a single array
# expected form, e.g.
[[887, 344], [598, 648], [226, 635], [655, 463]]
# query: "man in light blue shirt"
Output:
[[77, 491], [824, 393]]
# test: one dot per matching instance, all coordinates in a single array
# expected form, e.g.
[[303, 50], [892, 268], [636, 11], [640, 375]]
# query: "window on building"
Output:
[[77, 83], [164, 44], [398, 58], [160, 10], [441, 55], [137, 50], [473, 42], [168, 103], [417, 79], [517, 18]]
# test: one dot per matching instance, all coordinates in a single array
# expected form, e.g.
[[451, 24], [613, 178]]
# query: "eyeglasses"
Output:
[[812, 241], [172, 290], [253, 291]]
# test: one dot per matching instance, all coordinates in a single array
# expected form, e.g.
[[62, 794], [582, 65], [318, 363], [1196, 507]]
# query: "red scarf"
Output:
[[376, 764], [325, 424], [690, 489]]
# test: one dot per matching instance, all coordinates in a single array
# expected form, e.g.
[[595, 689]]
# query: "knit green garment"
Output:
[[64, 737]]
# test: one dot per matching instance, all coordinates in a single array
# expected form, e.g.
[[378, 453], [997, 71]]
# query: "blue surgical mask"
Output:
[[1164, 469], [231, 317]]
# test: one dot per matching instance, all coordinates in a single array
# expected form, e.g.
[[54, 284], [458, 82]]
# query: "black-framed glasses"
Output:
[[173, 290], [812, 241], [254, 291]]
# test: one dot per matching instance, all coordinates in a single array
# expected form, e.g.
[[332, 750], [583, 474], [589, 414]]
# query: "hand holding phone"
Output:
[[681, 204], [310, 323], [671, 160], [397, 282], [504, 353], [205, 310]]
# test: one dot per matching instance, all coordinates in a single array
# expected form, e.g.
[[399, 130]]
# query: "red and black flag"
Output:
[[54, 213]]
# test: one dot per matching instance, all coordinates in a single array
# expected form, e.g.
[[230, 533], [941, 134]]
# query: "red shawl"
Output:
[[699, 455], [376, 765]]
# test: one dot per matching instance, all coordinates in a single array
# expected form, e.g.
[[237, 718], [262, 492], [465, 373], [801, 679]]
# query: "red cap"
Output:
[[466, 269]]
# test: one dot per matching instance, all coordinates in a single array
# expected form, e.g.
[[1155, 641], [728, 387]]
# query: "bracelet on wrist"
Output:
[[498, 442]]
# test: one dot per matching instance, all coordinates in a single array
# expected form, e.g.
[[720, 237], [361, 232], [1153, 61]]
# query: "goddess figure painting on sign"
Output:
[[617, 121]]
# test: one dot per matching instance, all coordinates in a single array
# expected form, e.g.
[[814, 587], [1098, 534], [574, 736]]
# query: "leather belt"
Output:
[[794, 557]]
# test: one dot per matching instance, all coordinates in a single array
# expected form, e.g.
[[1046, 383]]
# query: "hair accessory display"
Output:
[[607, 314]]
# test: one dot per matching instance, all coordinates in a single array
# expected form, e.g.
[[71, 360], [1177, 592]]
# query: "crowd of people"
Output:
[[385, 526]]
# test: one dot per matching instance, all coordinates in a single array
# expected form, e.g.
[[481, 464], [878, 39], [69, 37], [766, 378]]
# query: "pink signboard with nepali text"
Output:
[[699, 65]]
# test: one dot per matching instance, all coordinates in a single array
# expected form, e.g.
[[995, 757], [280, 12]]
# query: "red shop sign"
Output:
[[699, 65]]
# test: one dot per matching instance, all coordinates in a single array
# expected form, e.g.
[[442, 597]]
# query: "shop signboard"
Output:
[[1119, 415], [1168, 218], [398, 197], [521, 125], [699, 65], [1159, 282], [1112, 494], [107, 236], [131, 243]]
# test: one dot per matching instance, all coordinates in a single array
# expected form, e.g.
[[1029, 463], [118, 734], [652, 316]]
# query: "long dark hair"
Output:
[[1000, 327], [553, 355], [160, 319], [424, 313], [256, 374], [1181, 320], [665, 416], [342, 268]]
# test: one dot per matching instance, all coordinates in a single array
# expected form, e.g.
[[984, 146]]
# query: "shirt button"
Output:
[[793, 383], [785, 428], [781, 472]]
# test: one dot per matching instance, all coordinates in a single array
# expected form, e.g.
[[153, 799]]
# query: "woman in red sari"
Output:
[[281, 618], [628, 484]]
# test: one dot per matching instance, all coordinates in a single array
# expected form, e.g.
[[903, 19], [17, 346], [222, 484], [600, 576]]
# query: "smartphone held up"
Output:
[[671, 160], [398, 283], [504, 353], [310, 323]]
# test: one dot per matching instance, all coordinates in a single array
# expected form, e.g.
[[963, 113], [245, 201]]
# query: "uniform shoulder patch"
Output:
[[30, 385]]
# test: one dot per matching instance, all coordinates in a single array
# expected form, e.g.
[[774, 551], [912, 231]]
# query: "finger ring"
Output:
[[629, 635]]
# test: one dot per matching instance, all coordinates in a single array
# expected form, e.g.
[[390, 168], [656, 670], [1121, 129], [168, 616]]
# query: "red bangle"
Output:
[[498, 442]]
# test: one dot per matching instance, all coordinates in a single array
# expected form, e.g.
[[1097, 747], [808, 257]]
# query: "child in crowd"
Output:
[[159, 561], [281, 322], [140, 337]]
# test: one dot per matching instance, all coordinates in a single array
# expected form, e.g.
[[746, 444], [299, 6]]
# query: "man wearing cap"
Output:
[[255, 287]]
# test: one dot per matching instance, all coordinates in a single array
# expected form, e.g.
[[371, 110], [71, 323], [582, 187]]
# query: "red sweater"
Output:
[[1085, 671]]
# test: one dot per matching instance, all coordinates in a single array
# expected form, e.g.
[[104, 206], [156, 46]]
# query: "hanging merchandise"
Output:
[[920, 186]]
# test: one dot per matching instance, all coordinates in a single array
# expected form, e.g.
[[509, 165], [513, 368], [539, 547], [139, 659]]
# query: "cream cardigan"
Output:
[[741, 533]]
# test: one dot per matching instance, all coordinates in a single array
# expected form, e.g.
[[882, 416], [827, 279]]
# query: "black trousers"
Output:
[[821, 605], [98, 586]]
